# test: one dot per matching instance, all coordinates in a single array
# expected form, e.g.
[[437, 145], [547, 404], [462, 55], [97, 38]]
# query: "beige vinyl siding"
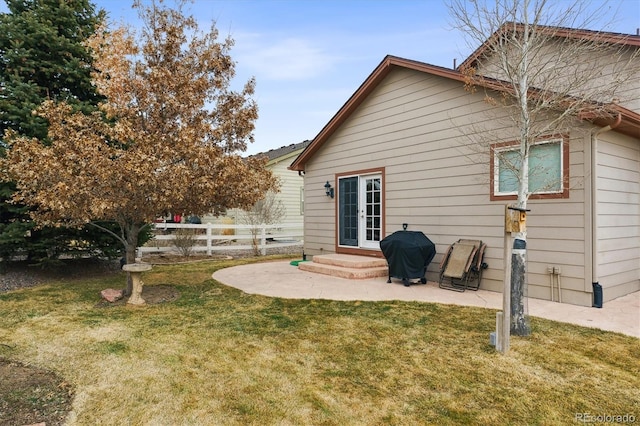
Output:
[[290, 185], [558, 234], [618, 209], [415, 126]]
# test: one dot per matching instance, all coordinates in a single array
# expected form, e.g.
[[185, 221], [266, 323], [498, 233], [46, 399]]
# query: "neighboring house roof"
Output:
[[622, 120], [572, 33], [284, 151]]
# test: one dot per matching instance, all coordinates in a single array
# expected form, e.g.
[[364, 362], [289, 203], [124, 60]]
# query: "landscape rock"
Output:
[[111, 295]]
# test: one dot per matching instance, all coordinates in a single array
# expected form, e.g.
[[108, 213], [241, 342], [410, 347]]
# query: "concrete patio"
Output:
[[280, 279]]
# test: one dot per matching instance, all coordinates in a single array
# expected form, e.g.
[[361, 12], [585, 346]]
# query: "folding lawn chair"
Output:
[[461, 267]]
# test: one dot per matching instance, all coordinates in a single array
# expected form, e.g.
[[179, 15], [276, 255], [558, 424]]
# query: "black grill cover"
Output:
[[408, 253]]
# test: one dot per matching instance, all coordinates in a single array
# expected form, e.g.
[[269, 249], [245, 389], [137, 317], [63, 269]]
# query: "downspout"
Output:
[[304, 255], [594, 199]]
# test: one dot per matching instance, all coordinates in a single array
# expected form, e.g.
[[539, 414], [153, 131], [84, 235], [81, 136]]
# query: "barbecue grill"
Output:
[[408, 254]]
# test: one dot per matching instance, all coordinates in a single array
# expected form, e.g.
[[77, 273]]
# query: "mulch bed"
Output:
[[31, 395], [174, 259], [16, 275], [152, 295]]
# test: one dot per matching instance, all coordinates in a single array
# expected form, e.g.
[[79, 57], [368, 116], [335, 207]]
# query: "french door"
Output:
[[360, 211]]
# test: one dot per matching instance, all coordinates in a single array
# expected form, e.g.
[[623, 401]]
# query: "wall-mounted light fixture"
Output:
[[328, 190]]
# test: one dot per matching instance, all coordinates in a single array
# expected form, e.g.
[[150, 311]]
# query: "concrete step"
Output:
[[346, 266], [342, 272], [350, 261]]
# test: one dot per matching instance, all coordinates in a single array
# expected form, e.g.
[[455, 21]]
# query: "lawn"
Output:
[[219, 356]]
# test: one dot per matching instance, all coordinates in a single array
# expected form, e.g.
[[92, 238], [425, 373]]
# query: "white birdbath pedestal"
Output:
[[136, 270]]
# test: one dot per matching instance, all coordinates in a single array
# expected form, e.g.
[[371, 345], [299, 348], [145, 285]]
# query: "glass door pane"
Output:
[[348, 211], [371, 211]]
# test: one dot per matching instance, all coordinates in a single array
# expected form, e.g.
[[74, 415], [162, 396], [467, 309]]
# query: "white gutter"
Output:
[[594, 197]]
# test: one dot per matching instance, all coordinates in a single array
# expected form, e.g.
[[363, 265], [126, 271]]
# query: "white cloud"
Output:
[[284, 59]]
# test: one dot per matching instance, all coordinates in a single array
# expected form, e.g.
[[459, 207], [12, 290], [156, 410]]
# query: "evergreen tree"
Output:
[[42, 57]]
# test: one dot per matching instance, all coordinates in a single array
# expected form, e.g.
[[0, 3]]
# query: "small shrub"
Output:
[[184, 240]]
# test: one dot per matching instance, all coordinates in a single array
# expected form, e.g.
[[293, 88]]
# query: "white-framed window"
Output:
[[548, 169]]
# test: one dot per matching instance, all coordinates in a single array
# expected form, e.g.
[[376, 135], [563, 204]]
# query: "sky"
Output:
[[309, 56]]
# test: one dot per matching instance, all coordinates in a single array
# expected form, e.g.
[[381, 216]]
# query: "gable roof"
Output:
[[561, 32], [622, 120]]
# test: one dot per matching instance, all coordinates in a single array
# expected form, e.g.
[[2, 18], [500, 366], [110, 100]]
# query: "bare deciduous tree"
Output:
[[185, 239], [539, 75], [268, 211]]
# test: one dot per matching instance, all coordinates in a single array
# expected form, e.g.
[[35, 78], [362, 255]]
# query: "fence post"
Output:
[[209, 251], [263, 240]]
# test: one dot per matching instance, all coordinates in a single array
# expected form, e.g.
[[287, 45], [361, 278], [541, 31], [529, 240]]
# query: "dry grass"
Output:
[[219, 356]]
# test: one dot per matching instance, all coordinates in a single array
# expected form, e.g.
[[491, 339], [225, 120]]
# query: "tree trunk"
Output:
[[519, 319], [132, 231]]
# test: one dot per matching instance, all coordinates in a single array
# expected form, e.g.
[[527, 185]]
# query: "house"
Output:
[[291, 193], [397, 152], [291, 188]]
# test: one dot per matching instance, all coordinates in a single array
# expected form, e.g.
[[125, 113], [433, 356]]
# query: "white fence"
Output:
[[210, 238]]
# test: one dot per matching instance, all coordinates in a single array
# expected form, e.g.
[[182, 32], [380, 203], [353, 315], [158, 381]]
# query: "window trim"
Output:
[[511, 145]]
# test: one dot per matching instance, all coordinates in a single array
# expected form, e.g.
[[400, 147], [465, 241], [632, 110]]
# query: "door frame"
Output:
[[359, 250]]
